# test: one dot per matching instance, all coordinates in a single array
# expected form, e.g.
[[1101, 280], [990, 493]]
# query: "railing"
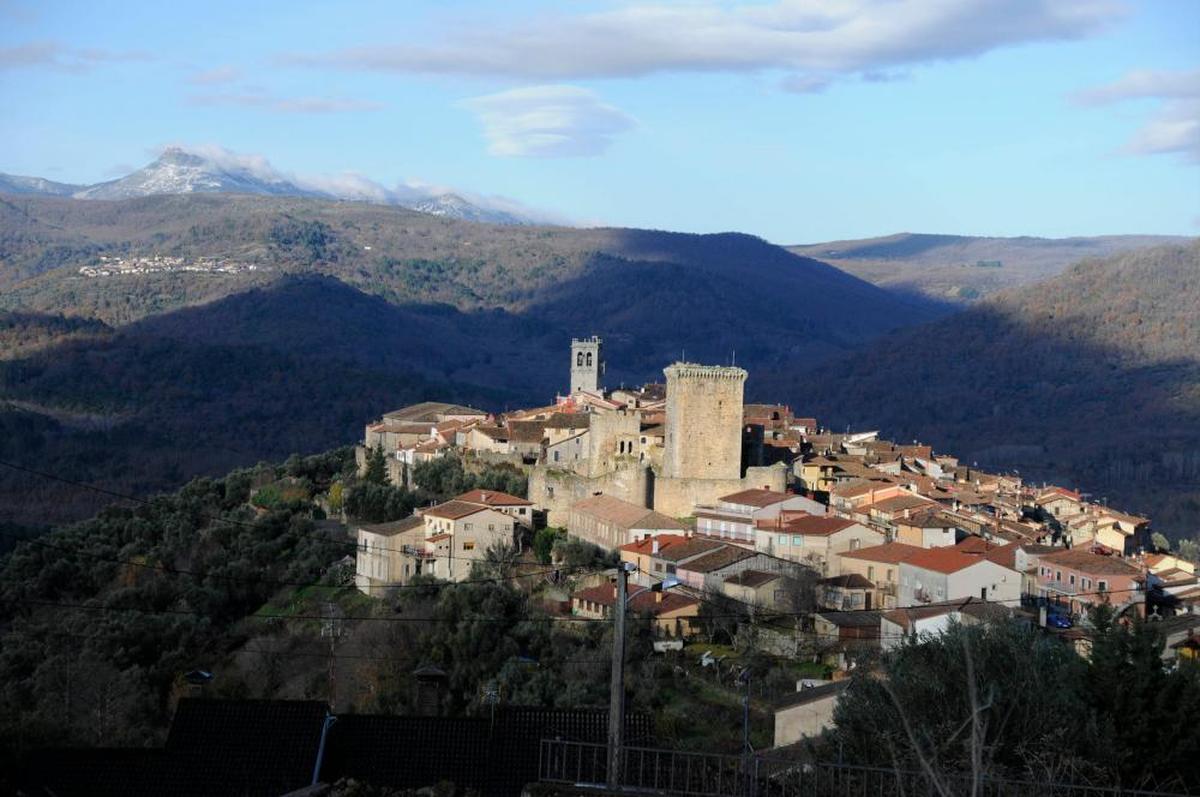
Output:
[[672, 772]]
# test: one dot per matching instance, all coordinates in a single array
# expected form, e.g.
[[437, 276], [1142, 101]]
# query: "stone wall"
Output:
[[679, 497], [612, 441], [704, 422], [554, 490]]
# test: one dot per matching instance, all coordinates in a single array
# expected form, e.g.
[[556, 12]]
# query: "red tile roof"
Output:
[[453, 510], [640, 599], [890, 553], [814, 525], [646, 546], [942, 560], [756, 497]]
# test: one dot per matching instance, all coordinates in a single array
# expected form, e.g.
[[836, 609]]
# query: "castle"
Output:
[[669, 451]]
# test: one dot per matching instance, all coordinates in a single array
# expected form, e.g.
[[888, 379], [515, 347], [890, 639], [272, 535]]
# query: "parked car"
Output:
[[1059, 620]]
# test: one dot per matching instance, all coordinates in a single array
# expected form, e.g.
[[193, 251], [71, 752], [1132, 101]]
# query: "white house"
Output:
[[735, 516], [934, 575]]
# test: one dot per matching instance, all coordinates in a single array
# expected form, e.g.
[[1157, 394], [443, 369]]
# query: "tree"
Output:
[[544, 541], [1188, 549], [376, 466], [1160, 542]]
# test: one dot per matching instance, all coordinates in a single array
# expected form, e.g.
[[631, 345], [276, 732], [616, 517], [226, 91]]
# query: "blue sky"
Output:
[[797, 120]]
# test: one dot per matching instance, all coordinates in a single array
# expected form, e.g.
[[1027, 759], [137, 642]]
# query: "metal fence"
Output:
[[672, 772]]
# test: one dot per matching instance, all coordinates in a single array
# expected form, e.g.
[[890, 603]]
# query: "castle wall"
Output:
[[555, 491], [704, 422], [612, 441], [679, 497]]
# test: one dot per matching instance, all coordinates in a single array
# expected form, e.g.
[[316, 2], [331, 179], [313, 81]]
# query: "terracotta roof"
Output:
[[751, 578], [646, 546], [438, 537], [756, 497], [816, 525], [973, 606], [624, 514], [979, 545], [453, 510], [1057, 492], [492, 498], [899, 503], [1087, 562], [889, 553], [931, 518], [640, 600], [725, 556], [942, 560]]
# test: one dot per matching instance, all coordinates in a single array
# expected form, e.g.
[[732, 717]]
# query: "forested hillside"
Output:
[[1091, 379], [965, 268], [141, 379]]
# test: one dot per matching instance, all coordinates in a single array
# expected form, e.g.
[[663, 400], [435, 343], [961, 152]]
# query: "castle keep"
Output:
[[704, 422]]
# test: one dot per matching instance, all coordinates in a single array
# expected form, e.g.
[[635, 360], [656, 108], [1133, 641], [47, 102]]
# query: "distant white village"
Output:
[[159, 264], [687, 482]]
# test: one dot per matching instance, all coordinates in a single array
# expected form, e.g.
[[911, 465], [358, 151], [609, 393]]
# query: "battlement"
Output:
[[580, 341], [681, 370]]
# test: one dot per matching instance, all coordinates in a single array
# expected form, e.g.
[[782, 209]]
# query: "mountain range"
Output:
[[146, 340], [138, 378], [180, 171], [963, 269]]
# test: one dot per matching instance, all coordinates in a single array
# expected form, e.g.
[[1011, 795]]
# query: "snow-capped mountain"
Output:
[[214, 170], [180, 172]]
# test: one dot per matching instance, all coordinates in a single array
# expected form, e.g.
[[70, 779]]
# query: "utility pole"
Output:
[[616, 699]]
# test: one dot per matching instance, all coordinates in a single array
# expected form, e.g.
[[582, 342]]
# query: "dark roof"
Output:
[[525, 431], [855, 619], [688, 550], [808, 695], [568, 420], [848, 581], [396, 526], [721, 558], [751, 578]]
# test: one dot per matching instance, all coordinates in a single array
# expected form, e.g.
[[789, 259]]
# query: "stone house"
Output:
[[673, 615], [645, 556], [1077, 579], [881, 566], [458, 534], [519, 509], [387, 554], [814, 541], [735, 516], [610, 522], [847, 592], [755, 587], [928, 528], [923, 621]]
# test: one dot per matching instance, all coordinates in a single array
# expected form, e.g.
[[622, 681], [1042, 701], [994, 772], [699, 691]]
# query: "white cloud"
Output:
[[547, 121], [1175, 126], [268, 102], [214, 76], [805, 84], [821, 36], [56, 56]]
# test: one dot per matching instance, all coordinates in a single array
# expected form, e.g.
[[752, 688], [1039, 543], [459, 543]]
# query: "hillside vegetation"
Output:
[[963, 268], [1091, 379], [142, 380]]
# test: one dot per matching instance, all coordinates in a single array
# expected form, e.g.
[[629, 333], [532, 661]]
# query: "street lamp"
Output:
[[616, 698]]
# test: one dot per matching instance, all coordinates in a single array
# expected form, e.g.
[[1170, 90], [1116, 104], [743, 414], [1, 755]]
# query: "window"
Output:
[[870, 573], [555, 459], [589, 359], [469, 546], [579, 359], [1102, 586], [854, 544], [1058, 575], [891, 574], [783, 539], [1071, 579], [466, 527], [491, 527], [797, 540]]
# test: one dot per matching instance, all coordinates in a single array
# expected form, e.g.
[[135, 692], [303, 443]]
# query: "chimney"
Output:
[[654, 545], [658, 596]]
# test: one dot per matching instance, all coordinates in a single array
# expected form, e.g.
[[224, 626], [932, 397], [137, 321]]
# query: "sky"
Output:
[[796, 120]]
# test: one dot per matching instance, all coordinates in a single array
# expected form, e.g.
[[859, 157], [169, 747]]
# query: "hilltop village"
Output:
[[690, 485]]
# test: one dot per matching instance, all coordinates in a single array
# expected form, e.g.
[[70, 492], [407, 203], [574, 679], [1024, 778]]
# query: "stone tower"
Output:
[[587, 364], [704, 422]]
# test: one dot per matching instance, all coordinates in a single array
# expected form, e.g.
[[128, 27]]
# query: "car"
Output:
[[1059, 620]]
